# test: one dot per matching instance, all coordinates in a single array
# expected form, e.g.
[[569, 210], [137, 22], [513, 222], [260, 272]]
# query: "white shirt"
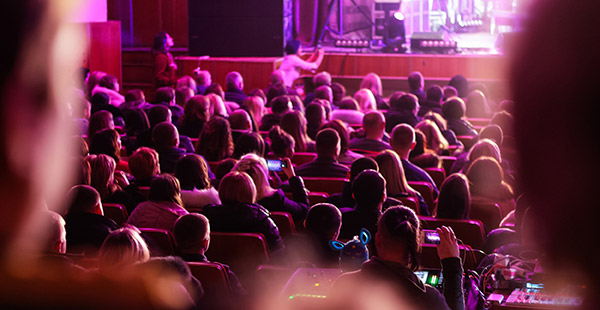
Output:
[[291, 66]]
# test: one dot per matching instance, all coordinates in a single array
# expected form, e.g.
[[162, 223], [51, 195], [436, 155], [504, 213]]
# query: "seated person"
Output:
[[235, 88], [192, 235], [144, 167], [390, 273], [196, 190], [279, 106], [166, 140], [403, 110], [374, 126], [86, 225], [325, 165]]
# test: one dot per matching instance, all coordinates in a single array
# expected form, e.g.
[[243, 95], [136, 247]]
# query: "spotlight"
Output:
[[394, 34]]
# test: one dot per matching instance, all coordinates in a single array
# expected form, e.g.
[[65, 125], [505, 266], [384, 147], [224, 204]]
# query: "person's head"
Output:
[[507, 105], [453, 109], [449, 92], [419, 148], [162, 43], [342, 131], [361, 164], [275, 90], [240, 120], [183, 94], [434, 140], [249, 142], [366, 100], [192, 172], [292, 47], [438, 119], [324, 92], [435, 93], [165, 96], [282, 143], [397, 237], [158, 114], [255, 106], [281, 105], [461, 85], [122, 248], [225, 166], [165, 187], [315, 114], [136, 121], [402, 140], [506, 121], [454, 200], [369, 190], [391, 169], [237, 187], [256, 167], [477, 105], [234, 81], [404, 102], [217, 105], [56, 234], [102, 173], [492, 132], [277, 77], [215, 88], [374, 124], [293, 122], [144, 163], [416, 81], [339, 92], [487, 178], [196, 110], [328, 143], [202, 77], [109, 81], [107, 141], [485, 147], [84, 199], [215, 142], [92, 81], [322, 78], [165, 136], [99, 121], [186, 81], [258, 92], [323, 220], [192, 233], [349, 103], [372, 82]]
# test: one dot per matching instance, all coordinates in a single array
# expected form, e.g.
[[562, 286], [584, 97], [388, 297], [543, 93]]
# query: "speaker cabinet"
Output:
[[234, 28]]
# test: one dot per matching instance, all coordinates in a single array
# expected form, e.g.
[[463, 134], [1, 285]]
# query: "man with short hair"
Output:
[[416, 84], [166, 139], [235, 88], [402, 142], [326, 164], [374, 128], [433, 101], [279, 106], [403, 110], [86, 225], [320, 79]]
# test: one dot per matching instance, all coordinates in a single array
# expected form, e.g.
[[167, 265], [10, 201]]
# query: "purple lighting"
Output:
[[398, 15]]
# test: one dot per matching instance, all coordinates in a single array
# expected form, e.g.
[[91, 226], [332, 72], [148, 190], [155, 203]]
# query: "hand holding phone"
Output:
[[448, 246], [275, 164]]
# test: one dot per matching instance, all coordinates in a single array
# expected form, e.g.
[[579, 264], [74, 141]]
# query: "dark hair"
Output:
[[82, 199], [280, 141], [339, 91], [160, 43], [165, 187], [275, 90], [216, 89], [190, 232], [313, 113], [400, 226], [368, 188], [196, 110], [165, 135], [280, 104], [136, 122], [192, 172], [106, 142], [164, 95], [342, 131], [435, 93], [136, 96], [348, 103], [225, 166], [323, 220], [361, 164], [293, 122], [158, 114], [215, 142], [460, 83], [506, 121], [492, 132], [99, 121], [249, 142], [405, 102], [258, 92], [99, 99], [419, 148], [454, 200], [108, 81], [414, 80], [291, 47], [327, 140], [453, 109]]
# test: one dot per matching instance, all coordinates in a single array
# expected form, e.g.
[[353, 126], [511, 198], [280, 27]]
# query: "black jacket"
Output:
[[297, 206]]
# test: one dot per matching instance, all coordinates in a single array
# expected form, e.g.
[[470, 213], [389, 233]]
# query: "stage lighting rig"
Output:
[[394, 34]]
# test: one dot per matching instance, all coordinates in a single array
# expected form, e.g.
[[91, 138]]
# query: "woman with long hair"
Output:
[[391, 169], [294, 123], [372, 82], [109, 182], [434, 140], [196, 190], [366, 100], [215, 142], [164, 67], [195, 114], [454, 200]]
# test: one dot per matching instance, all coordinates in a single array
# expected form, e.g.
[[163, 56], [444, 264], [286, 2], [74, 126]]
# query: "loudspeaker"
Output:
[[230, 28]]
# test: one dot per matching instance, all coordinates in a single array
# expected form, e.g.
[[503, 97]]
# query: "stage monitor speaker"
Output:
[[233, 28]]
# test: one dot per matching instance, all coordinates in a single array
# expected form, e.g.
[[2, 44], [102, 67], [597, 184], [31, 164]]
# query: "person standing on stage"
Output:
[[164, 66], [292, 63]]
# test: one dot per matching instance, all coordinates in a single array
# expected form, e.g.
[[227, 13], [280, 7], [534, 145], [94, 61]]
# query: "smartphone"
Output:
[[275, 164], [431, 237]]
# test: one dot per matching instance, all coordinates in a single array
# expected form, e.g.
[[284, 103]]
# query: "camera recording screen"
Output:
[[274, 164], [432, 237]]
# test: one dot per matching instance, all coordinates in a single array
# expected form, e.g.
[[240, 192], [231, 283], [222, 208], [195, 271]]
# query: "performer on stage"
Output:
[[292, 63], [164, 67]]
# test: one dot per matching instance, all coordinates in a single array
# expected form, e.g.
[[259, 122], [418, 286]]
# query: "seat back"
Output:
[[213, 165], [327, 185], [115, 212], [159, 241], [214, 280], [145, 191], [300, 158], [467, 141], [447, 162], [284, 222], [313, 197], [471, 232], [426, 191], [488, 212], [410, 202], [428, 257], [243, 252], [437, 174]]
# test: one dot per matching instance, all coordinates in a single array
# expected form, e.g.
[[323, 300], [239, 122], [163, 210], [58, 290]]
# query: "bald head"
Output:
[[240, 120], [374, 125], [277, 77], [322, 78], [234, 80], [165, 136], [402, 140]]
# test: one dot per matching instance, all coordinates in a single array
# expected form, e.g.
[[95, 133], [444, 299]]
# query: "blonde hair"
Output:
[[485, 147], [391, 169], [217, 106], [186, 81], [102, 173], [123, 247], [366, 100], [372, 82], [256, 167], [237, 187], [434, 140], [256, 107]]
